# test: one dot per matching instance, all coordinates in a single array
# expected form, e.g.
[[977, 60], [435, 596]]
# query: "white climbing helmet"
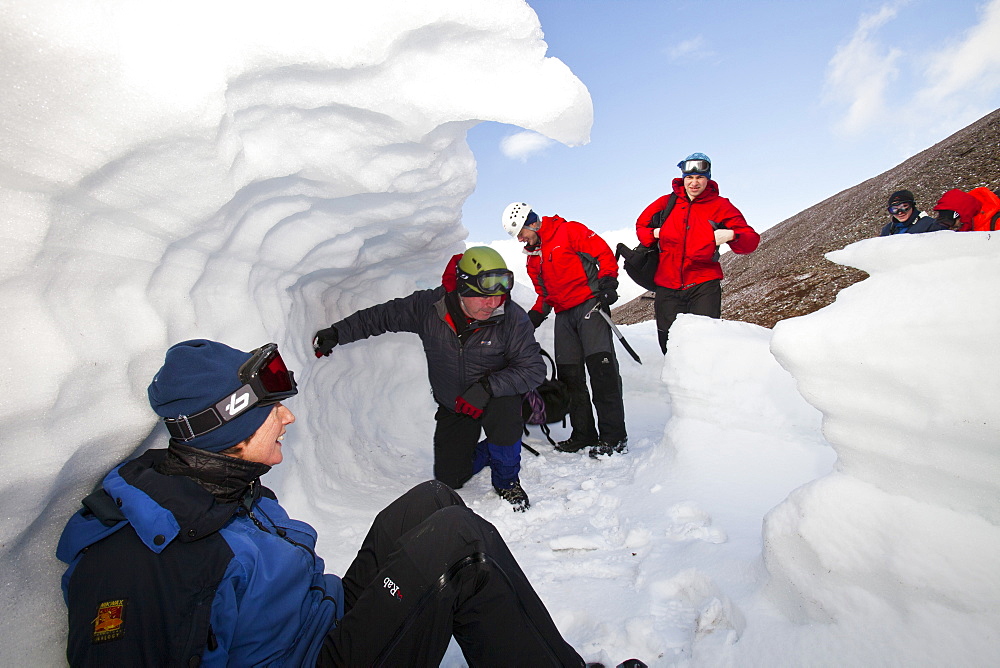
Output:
[[514, 218]]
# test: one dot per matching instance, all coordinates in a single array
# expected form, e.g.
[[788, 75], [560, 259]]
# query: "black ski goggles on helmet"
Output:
[[696, 167], [266, 381], [490, 283]]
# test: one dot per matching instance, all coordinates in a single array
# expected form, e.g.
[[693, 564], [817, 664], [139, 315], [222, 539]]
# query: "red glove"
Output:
[[473, 400]]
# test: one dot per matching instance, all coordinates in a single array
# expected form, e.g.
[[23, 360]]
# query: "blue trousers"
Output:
[[456, 453], [504, 462]]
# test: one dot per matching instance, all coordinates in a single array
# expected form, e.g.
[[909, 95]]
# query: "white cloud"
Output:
[[523, 145], [966, 73], [693, 48], [861, 70]]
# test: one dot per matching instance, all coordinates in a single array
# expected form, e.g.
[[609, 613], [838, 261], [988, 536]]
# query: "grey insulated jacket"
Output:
[[502, 347]]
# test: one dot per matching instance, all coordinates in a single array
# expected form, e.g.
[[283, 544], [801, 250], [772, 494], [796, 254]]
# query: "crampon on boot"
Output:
[[606, 448], [515, 496]]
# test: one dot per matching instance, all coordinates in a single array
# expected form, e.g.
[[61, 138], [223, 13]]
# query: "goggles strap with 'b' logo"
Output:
[[187, 427]]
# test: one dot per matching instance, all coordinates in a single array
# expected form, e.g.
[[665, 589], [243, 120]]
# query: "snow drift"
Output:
[[239, 171], [904, 367]]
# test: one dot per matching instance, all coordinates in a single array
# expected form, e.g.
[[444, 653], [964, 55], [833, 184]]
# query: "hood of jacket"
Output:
[[962, 203]]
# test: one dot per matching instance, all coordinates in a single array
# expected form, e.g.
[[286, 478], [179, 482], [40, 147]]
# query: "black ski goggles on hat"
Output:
[[696, 167], [489, 283], [901, 208], [266, 381]]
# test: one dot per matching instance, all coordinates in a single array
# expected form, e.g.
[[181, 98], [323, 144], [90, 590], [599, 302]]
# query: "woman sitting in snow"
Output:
[[182, 557]]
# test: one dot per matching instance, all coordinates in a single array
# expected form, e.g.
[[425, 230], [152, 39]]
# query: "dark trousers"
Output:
[[583, 342], [456, 436], [701, 299], [429, 569]]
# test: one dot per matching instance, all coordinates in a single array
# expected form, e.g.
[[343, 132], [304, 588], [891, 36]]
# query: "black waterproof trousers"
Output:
[[583, 341], [701, 299], [429, 569], [456, 436]]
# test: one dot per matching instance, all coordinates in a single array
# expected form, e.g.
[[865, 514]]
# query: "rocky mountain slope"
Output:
[[788, 275]]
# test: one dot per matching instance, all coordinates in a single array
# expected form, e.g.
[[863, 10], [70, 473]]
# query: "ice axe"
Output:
[[614, 329]]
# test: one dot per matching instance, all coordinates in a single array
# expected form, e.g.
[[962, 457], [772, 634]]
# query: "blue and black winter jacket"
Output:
[[187, 576], [918, 223]]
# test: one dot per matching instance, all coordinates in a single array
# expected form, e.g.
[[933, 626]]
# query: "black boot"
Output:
[[515, 496], [574, 445], [606, 448]]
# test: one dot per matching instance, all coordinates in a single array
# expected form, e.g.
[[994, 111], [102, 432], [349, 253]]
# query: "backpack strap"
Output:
[[662, 214], [552, 362]]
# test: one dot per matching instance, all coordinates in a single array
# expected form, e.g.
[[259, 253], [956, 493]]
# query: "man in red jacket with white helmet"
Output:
[[575, 273], [688, 276]]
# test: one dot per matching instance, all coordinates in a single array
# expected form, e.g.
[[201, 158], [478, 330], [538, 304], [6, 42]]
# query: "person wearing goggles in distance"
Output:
[[905, 218], [687, 227], [481, 359], [182, 557]]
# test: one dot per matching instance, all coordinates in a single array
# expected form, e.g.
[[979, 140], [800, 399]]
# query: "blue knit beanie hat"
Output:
[[696, 156], [195, 375]]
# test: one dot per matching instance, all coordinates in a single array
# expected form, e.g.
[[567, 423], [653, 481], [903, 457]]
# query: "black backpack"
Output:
[[641, 261], [546, 404]]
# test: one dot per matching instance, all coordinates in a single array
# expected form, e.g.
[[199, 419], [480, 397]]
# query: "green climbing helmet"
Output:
[[483, 273]]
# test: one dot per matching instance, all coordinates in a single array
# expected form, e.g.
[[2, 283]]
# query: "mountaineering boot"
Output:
[[515, 496], [606, 448], [575, 444]]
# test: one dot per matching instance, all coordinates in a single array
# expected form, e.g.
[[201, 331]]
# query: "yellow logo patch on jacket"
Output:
[[110, 621]]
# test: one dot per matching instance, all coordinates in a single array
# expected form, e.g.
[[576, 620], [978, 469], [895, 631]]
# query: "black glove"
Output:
[[474, 399], [325, 340], [536, 318], [607, 290]]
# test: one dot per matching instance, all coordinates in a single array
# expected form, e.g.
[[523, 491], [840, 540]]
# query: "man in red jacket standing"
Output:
[[697, 221], [575, 273]]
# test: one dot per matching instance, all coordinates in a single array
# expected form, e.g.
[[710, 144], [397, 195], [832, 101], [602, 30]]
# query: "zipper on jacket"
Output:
[[279, 531], [684, 242]]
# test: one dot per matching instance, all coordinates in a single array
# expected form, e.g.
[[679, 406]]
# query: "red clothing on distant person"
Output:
[[688, 252]]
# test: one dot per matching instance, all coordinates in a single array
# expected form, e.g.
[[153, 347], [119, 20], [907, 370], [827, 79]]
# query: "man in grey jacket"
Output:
[[482, 358]]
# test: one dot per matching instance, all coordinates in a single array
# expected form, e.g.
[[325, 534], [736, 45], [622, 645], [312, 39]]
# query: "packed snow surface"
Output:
[[250, 176]]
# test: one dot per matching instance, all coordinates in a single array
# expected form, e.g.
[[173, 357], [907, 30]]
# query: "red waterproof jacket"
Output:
[[568, 263], [688, 254]]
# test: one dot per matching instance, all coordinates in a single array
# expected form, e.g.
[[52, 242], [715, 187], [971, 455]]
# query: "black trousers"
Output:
[[429, 569], [456, 436], [584, 344], [701, 299]]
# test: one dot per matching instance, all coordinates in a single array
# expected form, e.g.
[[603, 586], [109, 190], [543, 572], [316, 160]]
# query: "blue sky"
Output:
[[793, 101]]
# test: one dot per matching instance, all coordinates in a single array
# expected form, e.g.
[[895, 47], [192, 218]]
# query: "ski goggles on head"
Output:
[[902, 207], [488, 283], [266, 381], [696, 167]]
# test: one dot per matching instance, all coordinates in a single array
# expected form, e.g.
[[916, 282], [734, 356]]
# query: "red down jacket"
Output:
[[687, 238], [568, 264]]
